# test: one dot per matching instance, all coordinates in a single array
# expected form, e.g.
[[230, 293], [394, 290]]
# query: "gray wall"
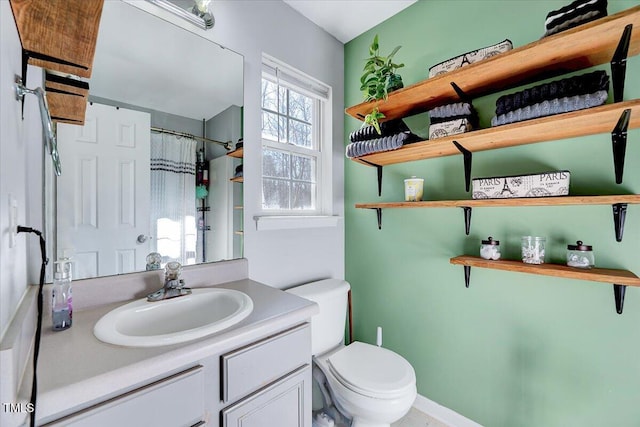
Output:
[[278, 258], [21, 151], [159, 119], [285, 257], [282, 258]]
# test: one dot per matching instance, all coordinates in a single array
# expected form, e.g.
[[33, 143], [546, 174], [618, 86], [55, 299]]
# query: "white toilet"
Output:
[[373, 385]]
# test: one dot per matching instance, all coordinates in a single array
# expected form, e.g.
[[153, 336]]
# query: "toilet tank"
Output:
[[327, 327]]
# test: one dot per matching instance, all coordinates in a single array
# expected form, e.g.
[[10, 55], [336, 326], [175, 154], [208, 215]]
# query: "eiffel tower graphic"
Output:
[[506, 191]]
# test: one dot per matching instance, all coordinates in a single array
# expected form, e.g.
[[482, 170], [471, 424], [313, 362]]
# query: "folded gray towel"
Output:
[[451, 110], [567, 87], [577, 13], [548, 108], [574, 22]]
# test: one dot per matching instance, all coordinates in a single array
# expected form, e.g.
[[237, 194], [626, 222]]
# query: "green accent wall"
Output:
[[513, 349]]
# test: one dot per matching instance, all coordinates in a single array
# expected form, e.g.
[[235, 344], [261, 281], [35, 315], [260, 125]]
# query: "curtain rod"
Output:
[[226, 145]]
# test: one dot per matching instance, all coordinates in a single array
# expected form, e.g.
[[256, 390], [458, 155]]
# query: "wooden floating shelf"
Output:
[[620, 279], [238, 179], [532, 201], [582, 47], [59, 36], [67, 98], [591, 121], [618, 203], [603, 275], [237, 153]]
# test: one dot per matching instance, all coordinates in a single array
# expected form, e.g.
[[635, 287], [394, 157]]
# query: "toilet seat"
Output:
[[372, 371]]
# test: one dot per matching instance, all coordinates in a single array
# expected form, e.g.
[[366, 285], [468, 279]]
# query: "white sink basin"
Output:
[[149, 324]]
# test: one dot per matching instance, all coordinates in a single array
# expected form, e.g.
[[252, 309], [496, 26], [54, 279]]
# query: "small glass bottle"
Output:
[[61, 301], [533, 249], [580, 255], [490, 249]]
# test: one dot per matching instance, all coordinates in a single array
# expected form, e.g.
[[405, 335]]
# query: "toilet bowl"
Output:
[[371, 385]]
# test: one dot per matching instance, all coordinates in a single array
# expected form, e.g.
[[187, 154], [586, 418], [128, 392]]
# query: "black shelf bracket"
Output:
[[467, 219], [467, 275], [467, 157], [463, 96], [619, 216], [379, 216], [619, 64], [618, 293], [619, 144], [379, 170]]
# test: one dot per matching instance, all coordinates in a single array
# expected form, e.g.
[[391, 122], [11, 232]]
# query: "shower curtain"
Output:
[[173, 207]]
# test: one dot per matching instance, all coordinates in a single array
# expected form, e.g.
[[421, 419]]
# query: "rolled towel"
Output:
[[367, 132], [551, 107], [385, 143]]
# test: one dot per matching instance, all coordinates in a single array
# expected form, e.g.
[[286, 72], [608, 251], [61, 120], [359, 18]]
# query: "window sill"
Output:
[[283, 222]]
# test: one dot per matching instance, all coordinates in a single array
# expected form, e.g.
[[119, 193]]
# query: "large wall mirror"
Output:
[[149, 171]]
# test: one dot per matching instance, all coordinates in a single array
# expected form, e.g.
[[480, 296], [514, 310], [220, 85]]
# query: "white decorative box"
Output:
[[470, 58], [452, 127], [545, 184]]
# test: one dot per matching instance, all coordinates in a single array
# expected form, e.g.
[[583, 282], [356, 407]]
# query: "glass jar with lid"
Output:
[[490, 249], [533, 249], [580, 255]]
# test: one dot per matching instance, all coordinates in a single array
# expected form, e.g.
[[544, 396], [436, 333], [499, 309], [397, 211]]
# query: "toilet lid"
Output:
[[372, 371]]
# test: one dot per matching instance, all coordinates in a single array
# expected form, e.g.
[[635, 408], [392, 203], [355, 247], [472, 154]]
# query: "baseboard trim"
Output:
[[441, 413]]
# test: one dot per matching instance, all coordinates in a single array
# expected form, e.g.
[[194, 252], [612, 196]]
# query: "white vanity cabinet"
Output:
[[270, 381], [263, 383], [171, 402]]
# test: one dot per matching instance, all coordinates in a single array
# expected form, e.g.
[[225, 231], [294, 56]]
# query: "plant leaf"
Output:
[[394, 51]]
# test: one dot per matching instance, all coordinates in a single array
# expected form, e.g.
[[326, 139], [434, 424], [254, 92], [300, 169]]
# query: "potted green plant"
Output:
[[372, 119], [378, 79]]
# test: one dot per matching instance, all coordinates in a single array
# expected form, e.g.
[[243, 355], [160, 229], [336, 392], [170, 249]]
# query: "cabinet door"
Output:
[[255, 366], [171, 402], [285, 403]]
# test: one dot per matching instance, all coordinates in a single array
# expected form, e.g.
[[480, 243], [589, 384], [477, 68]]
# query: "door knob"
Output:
[[142, 238]]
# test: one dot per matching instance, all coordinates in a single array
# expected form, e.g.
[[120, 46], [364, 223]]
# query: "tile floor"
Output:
[[416, 418]]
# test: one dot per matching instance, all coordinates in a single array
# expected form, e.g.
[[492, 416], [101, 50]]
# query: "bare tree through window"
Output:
[[290, 152]]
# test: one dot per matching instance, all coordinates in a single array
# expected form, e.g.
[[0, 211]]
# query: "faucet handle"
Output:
[[172, 270]]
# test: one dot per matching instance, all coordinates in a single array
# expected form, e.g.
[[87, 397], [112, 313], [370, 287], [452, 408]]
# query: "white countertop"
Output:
[[76, 370]]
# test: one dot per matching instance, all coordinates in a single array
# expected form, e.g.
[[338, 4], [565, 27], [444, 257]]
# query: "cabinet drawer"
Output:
[[175, 401], [250, 368], [281, 404]]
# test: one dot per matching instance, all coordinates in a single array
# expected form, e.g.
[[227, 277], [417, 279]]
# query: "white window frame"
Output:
[[288, 77]]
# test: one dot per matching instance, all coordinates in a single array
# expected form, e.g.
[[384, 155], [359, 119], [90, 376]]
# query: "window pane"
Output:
[[303, 195], [269, 95], [300, 133], [275, 193], [303, 168], [283, 100], [273, 127], [300, 106], [275, 163]]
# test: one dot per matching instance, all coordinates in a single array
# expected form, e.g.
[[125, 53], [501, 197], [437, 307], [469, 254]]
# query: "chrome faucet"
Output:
[[173, 285]]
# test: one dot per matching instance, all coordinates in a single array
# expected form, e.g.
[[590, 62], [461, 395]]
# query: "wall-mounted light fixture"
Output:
[[45, 116], [198, 12]]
